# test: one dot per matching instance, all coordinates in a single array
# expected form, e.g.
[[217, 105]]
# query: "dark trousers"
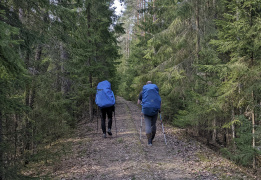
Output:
[[106, 111], [150, 124]]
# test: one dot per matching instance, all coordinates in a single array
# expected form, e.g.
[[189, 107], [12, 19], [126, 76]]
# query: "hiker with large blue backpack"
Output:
[[150, 100], [105, 100]]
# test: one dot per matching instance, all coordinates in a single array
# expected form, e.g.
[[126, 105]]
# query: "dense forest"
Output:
[[52, 55], [204, 55]]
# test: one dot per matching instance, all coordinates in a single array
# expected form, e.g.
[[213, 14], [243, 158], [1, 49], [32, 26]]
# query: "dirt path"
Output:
[[126, 157]]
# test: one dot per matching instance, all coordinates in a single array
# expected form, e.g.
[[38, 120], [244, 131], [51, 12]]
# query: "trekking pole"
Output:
[[97, 118], [115, 122], [163, 130], [140, 124]]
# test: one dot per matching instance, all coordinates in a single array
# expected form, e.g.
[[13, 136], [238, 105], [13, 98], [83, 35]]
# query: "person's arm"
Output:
[[139, 101], [160, 107]]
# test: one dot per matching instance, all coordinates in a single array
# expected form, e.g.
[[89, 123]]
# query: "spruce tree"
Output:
[[238, 37], [11, 76]]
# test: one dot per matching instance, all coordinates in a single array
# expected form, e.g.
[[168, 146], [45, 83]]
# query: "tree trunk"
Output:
[[214, 134], [16, 136], [90, 100], [37, 58], [227, 137], [138, 14], [89, 63], [253, 112], [253, 132], [253, 140], [62, 57], [233, 125], [197, 29], [29, 101], [154, 15], [1, 149], [27, 122], [128, 44], [144, 19]]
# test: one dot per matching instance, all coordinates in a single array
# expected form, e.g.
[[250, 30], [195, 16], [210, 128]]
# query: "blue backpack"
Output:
[[151, 100], [104, 95]]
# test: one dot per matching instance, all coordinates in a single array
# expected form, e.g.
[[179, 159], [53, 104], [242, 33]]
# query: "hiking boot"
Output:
[[150, 142], [149, 139], [153, 135], [104, 135], [109, 132]]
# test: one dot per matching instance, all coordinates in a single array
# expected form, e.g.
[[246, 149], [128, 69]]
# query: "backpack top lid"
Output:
[[104, 85]]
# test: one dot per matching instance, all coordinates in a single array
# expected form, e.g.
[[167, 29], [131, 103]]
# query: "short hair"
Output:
[[149, 82]]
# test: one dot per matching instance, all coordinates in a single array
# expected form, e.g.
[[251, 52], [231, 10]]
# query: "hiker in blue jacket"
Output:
[[106, 102], [150, 100]]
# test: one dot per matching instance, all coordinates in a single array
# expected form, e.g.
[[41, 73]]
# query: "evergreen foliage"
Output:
[[52, 55], [204, 56]]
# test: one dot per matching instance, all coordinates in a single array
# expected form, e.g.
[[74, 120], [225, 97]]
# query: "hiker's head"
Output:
[[149, 82]]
